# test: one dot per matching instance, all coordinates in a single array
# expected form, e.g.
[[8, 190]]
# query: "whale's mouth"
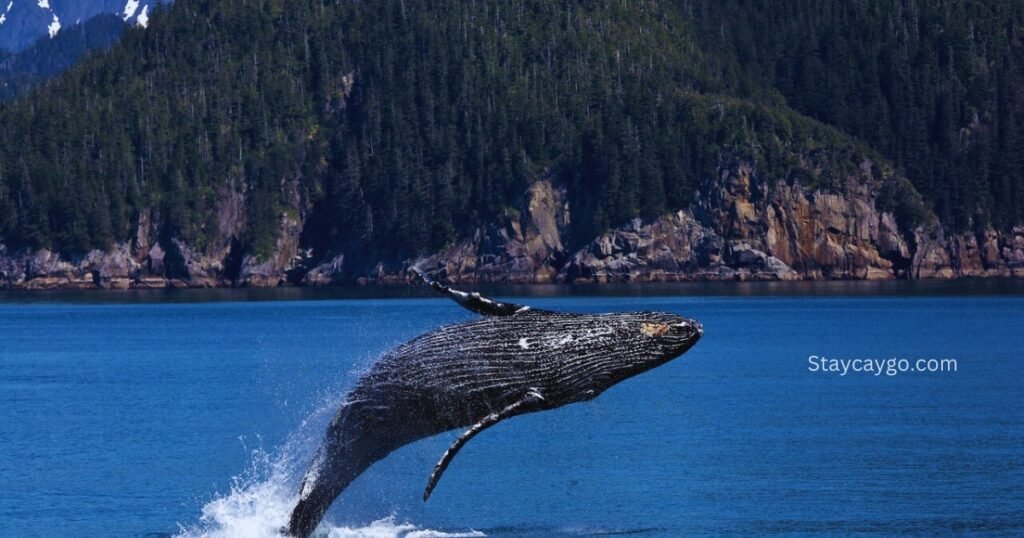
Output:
[[696, 326], [682, 332], [681, 336]]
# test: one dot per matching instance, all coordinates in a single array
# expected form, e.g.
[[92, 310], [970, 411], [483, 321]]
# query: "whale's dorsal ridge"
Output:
[[473, 301]]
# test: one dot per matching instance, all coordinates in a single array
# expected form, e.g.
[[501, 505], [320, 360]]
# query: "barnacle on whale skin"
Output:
[[654, 329]]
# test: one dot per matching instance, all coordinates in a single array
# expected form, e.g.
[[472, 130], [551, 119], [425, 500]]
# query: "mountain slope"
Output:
[[41, 38], [48, 57], [248, 143], [24, 22]]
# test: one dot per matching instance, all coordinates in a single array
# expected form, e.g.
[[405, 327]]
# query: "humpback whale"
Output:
[[513, 360]]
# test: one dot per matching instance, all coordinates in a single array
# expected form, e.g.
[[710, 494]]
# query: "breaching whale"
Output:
[[514, 360]]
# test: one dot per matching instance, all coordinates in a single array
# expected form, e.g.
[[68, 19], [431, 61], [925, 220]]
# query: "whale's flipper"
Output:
[[530, 398], [473, 301]]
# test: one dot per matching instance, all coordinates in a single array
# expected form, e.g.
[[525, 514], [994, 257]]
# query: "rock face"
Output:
[[740, 227], [984, 254], [273, 271], [327, 273], [148, 262], [673, 248], [526, 247]]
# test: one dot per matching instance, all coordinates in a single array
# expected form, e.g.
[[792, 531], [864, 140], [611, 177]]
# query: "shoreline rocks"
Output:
[[740, 228]]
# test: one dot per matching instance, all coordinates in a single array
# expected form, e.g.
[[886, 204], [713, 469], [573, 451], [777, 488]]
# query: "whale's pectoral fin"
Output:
[[473, 301], [533, 397]]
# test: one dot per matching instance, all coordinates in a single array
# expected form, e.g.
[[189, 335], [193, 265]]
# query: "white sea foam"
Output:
[[258, 504], [388, 528], [262, 497]]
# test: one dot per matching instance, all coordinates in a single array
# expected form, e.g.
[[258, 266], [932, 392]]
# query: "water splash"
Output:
[[387, 528], [262, 497], [259, 503]]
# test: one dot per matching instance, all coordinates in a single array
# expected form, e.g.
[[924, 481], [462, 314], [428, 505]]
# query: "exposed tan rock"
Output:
[[193, 267], [990, 249], [741, 227], [150, 283], [155, 260], [272, 271], [931, 260], [112, 269], [143, 232], [325, 274], [670, 249], [526, 247], [891, 243]]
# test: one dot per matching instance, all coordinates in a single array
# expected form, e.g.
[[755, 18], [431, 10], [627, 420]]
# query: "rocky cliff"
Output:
[[741, 227], [151, 260]]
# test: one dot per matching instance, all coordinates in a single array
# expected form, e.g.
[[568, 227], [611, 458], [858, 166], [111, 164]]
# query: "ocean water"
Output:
[[163, 418]]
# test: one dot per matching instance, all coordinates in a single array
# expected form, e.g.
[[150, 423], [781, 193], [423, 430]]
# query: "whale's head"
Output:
[[616, 347]]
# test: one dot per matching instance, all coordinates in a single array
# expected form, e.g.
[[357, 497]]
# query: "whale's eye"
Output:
[[654, 329]]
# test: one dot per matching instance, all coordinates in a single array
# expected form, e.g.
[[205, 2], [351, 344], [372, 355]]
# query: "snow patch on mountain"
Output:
[[23, 22], [130, 8], [54, 26], [143, 18]]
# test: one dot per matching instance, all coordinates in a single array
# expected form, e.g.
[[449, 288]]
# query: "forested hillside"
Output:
[[402, 124], [392, 129], [936, 86]]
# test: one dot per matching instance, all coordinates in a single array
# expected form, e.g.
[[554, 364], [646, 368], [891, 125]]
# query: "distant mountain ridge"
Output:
[[41, 38], [24, 22], [49, 57]]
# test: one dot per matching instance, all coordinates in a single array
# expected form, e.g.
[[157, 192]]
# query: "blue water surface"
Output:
[[128, 419]]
